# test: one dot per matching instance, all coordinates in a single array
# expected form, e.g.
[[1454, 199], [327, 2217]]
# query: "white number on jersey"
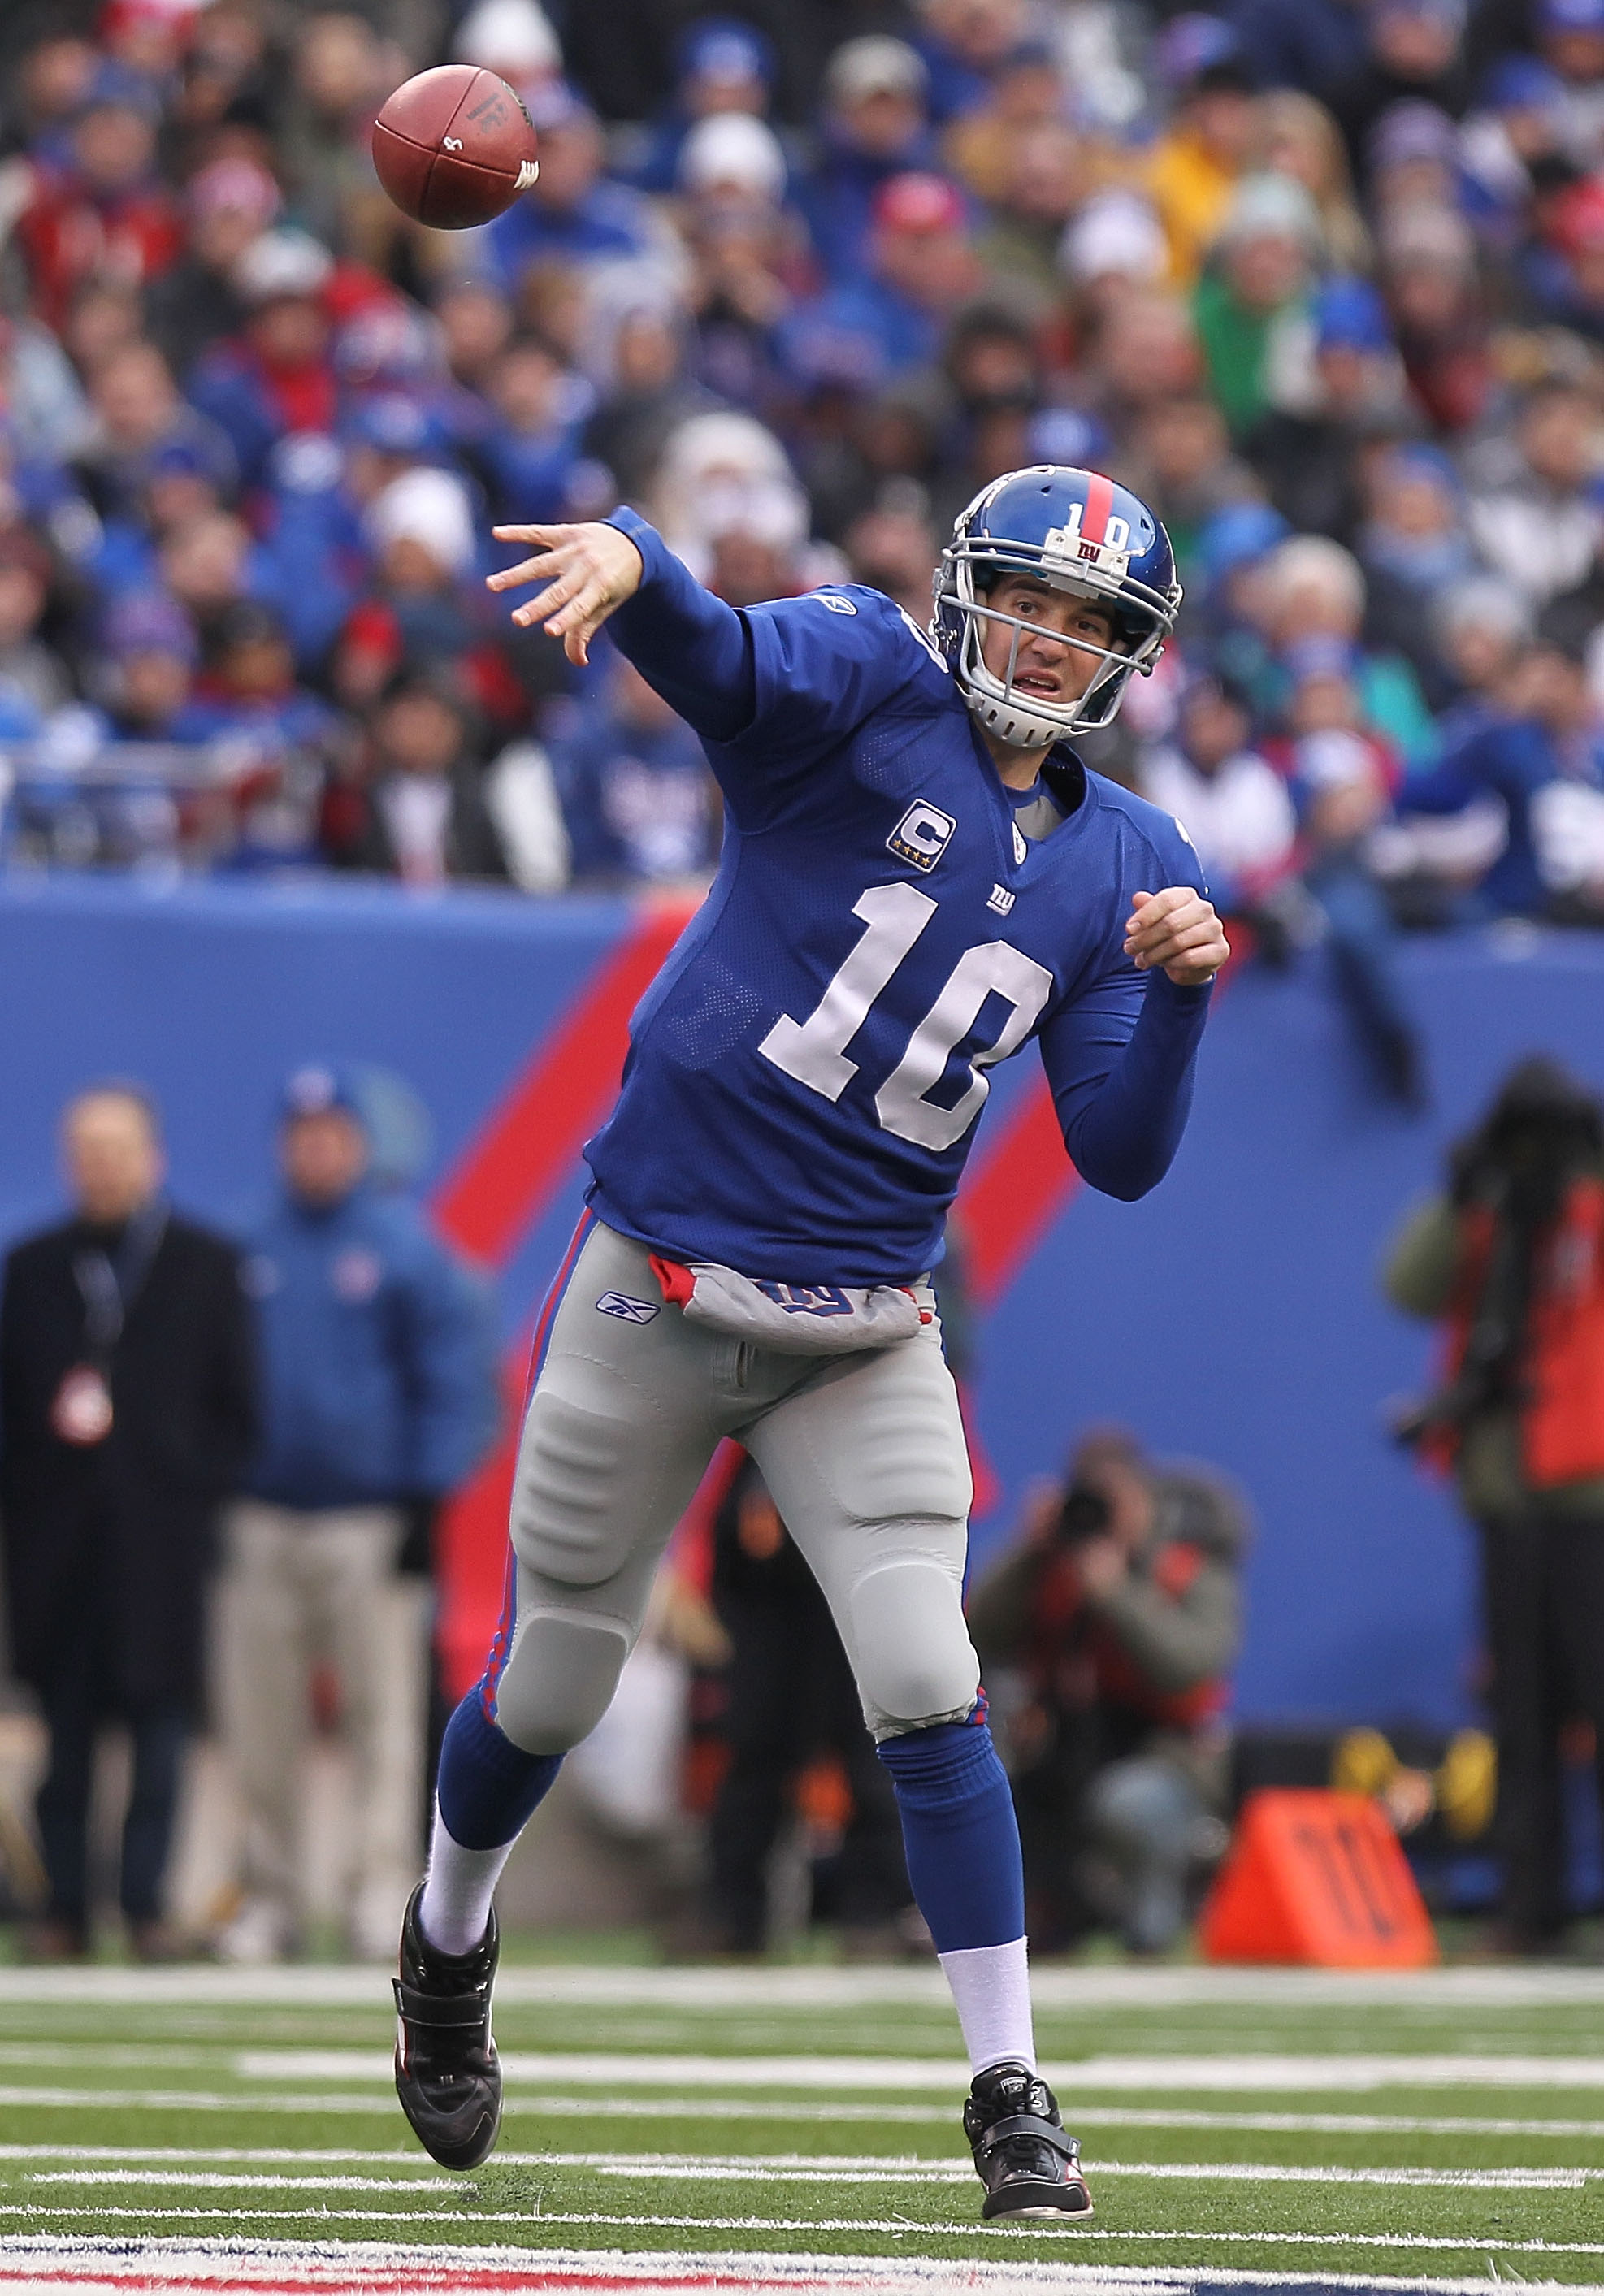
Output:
[[814, 1051]]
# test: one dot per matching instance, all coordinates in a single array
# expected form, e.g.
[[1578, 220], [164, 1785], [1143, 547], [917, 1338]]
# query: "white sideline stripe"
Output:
[[900, 2227], [218, 2181], [734, 2108], [739, 2108], [1258, 2072], [769, 1989], [744, 2169], [182, 2100], [835, 2168], [357, 2264]]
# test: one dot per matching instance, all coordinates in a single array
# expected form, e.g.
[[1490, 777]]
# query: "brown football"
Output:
[[454, 147]]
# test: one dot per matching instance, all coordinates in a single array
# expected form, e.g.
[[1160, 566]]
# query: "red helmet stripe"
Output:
[[1100, 501]]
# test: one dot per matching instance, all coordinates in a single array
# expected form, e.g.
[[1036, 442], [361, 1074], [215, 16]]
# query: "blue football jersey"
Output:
[[806, 1073]]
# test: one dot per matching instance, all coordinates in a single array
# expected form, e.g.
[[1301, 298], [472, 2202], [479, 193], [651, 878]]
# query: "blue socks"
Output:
[[488, 1789], [959, 1833]]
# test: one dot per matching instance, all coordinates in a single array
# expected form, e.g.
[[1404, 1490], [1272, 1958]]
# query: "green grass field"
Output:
[[1447, 2128]]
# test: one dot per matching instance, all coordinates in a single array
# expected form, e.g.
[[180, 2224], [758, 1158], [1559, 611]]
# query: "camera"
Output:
[[1085, 1514]]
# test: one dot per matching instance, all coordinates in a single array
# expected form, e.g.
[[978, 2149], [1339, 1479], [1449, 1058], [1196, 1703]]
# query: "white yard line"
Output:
[[771, 1988], [898, 2227], [360, 2265], [832, 2169], [609, 2069]]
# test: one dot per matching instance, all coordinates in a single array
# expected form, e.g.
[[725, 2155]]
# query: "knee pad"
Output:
[[916, 1663], [584, 1487], [559, 1678]]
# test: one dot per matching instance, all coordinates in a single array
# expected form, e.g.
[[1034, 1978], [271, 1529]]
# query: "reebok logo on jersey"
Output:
[[922, 835], [627, 1310], [1000, 900], [836, 605]]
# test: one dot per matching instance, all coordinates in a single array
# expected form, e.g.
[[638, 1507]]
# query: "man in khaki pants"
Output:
[[377, 1399]]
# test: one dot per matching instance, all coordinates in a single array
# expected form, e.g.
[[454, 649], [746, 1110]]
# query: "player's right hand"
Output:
[[584, 572]]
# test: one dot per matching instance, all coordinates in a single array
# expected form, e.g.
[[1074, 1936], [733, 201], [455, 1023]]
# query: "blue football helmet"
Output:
[[1076, 531]]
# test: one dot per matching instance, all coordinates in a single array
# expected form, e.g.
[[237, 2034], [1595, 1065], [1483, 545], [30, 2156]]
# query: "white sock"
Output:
[[991, 1992], [454, 1911]]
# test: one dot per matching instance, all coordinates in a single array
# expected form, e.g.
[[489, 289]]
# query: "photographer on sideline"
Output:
[[1510, 1261], [1106, 1634]]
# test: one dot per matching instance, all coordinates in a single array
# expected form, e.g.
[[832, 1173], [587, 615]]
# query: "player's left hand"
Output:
[[1177, 932]]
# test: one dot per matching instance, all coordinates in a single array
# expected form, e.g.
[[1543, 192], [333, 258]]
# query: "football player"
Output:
[[918, 875]]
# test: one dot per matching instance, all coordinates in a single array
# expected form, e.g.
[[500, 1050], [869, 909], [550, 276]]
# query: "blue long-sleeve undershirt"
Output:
[[688, 645], [1124, 1099]]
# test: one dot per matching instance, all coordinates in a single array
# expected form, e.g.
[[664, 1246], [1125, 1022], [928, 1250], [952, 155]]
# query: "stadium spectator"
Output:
[[1254, 294], [919, 267], [1413, 548], [277, 375], [28, 667], [128, 1408], [1309, 457], [1314, 593], [149, 656], [637, 800], [726, 69], [789, 1698], [1228, 797], [875, 127], [529, 451], [196, 302], [1341, 777], [1298, 137], [338, 81], [418, 811], [1105, 1631], [1507, 1260], [1192, 173], [1540, 527], [138, 414], [378, 1399], [1539, 751], [1427, 271], [98, 204], [575, 214]]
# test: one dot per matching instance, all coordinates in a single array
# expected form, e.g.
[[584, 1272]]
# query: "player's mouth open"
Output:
[[1036, 681]]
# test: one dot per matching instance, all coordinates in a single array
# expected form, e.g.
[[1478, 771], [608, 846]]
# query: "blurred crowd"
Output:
[[1323, 281]]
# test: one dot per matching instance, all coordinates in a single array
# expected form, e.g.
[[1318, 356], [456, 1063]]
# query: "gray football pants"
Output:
[[864, 1456]]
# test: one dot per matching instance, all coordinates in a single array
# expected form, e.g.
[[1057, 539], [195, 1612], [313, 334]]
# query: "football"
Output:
[[454, 147]]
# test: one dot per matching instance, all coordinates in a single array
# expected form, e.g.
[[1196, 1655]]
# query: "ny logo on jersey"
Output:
[[627, 1310], [808, 1299], [999, 899], [922, 835]]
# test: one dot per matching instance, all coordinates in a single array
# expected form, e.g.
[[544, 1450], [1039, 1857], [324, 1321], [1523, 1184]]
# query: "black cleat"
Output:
[[447, 2075], [1021, 2156]]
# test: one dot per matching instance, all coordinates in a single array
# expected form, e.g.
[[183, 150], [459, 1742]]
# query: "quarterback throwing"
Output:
[[919, 876]]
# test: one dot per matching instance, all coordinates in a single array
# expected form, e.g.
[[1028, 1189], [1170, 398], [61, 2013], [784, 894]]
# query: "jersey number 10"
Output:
[[814, 1051]]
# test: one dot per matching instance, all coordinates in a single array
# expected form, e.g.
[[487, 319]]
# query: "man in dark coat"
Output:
[[127, 1412]]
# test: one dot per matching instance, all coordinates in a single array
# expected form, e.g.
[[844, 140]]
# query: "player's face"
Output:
[[1049, 663]]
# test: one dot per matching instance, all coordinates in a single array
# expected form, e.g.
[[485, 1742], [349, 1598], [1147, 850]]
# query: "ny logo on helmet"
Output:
[[1066, 547]]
